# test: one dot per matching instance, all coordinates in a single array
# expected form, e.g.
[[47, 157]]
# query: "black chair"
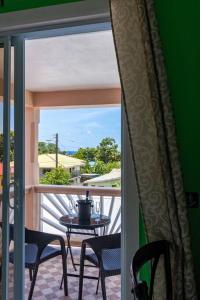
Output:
[[106, 256], [152, 253], [37, 251]]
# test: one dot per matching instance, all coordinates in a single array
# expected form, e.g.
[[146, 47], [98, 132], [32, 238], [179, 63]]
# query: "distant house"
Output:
[[112, 179], [47, 162]]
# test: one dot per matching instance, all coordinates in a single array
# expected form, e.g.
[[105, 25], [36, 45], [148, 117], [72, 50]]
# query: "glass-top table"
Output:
[[73, 223]]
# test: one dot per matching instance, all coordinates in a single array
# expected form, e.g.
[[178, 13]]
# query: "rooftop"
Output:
[[115, 174], [48, 161]]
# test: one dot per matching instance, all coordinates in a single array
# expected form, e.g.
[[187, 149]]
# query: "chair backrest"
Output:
[[152, 253], [111, 241]]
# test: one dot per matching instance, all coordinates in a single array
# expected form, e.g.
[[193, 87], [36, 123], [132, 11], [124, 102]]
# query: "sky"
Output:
[[80, 127], [77, 128]]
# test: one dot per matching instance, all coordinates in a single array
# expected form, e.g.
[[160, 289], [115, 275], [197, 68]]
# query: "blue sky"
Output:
[[80, 127]]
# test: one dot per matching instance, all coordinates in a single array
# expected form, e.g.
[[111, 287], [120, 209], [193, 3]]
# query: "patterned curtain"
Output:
[[153, 139]]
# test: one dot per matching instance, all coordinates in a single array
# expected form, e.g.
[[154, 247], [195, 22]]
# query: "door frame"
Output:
[[67, 19], [6, 45], [19, 150]]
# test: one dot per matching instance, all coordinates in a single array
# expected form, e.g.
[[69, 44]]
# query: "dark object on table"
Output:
[[151, 252], [84, 209], [37, 251], [106, 256]]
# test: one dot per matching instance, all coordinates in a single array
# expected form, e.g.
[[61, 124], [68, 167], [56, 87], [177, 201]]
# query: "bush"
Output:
[[58, 176], [102, 168]]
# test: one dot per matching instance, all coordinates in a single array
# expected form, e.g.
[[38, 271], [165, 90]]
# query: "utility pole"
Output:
[[56, 150]]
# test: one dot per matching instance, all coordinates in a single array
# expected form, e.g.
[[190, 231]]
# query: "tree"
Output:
[[44, 148], [104, 168], [87, 168], [107, 151], [58, 176], [11, 146], [88, 154]]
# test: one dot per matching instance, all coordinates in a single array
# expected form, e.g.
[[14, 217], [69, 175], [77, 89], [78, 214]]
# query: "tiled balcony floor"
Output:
[[49, 277]]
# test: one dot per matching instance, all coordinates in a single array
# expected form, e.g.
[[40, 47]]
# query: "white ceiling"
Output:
[[70, 62]]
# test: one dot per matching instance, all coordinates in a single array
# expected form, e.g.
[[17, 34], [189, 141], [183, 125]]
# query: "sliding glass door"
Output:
[[12, 161]]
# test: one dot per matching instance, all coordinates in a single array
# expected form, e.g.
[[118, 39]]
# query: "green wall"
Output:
[[13, 5], [179, 29]]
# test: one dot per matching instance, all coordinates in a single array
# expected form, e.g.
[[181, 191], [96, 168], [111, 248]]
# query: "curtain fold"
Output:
[[153, 138]]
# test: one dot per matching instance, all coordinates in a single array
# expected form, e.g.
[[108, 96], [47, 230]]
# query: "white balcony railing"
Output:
[[55, 200]]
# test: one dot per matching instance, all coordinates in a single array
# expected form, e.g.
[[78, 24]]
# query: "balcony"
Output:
[[48, 203], [87, 89]]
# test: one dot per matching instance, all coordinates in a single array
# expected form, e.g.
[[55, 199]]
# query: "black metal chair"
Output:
[[152, 253], [37, 251], [106, 256]]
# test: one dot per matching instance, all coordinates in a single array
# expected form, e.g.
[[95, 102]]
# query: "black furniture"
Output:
[[73, 224], [37, 251], [152, 253], [106, 256]]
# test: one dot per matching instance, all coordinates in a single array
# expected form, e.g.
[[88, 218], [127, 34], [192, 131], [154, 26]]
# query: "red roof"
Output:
[[1, 169]]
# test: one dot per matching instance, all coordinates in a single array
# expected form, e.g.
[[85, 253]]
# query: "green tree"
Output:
[[11, 146], [58, 176], [44, 148], [103, 168], [87, 168], [107, 151], [88, 154]]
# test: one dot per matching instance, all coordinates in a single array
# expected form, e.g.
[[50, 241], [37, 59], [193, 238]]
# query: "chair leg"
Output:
[[30, 274], [98, 283], [80, 292], [103, 286], [64, 263], [61, 282], [69, 248], [33, 282]]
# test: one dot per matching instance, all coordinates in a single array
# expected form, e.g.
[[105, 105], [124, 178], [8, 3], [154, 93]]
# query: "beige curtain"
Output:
[[153, 139]]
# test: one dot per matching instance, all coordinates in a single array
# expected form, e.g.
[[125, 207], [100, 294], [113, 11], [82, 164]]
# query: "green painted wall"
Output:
[[13, 5], [179, 28]]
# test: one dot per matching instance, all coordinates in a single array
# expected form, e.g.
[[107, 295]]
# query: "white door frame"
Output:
[[6, 45], [19, 186], [28, 23]]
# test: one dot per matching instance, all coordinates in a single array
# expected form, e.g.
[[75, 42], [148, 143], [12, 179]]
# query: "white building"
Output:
[[47, 162]]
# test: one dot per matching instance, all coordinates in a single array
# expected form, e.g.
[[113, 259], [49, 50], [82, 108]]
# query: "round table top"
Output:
[[96, 221]]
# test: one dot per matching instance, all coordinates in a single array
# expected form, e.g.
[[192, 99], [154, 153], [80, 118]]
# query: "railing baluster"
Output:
[[115, 221], [63, 202], [118, 229], [54, 225], [101, 211], [55, 203], [110, 212], [50, 211]]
